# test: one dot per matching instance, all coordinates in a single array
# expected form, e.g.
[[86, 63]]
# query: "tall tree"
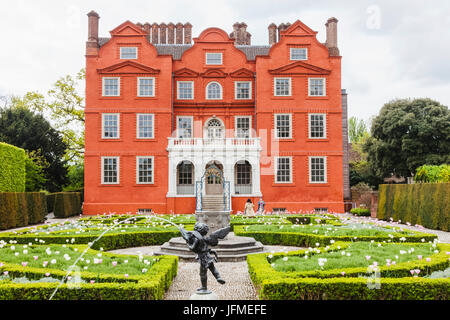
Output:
[[407, 134], [25, 129], [357, 129], [65, 107]]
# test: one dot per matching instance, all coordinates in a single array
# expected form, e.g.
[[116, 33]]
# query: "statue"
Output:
[[199, 243]]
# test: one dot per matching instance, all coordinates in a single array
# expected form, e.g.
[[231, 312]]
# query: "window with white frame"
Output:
[[185, 90], [283, 125], [110, 170], [317, 169], [145, 125], [243, 126], [144, 170], [146, 87], [243, 90], [317, 126], [128, 52], [184, 127], [282, 87], [299, 54], [185, 173], [111, 87], [213, 91], [317, 87], [110, 125], [214, 58], [283, 167]]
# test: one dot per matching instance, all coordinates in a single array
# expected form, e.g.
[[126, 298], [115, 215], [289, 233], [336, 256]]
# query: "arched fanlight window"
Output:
[[215, 129], [214, 91]]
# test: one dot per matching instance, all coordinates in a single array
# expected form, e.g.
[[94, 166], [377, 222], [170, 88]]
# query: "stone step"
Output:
[[230, 249]]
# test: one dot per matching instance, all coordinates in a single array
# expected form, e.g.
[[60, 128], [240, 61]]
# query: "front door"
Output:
[[213, 179]]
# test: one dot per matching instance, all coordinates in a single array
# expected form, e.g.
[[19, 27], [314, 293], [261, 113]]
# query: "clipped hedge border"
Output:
[[331, 284], [12, 168], [355, 289], [360, 212], [298, 239], [19, 209], [108, 241], [67, 204], [150, 286]]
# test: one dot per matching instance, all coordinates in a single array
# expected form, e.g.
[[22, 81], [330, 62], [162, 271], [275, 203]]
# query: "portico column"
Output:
[[172, 176]]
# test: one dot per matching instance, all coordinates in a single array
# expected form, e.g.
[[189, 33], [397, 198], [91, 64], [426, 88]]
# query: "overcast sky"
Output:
[[391, 49]]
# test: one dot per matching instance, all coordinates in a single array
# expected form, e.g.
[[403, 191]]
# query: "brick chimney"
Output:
[[187, 33], [272, 33], [92, 43], [282, 27], [162, 33], [331, 42], [240, 34], [179, 33], [147, 28], [170, 33], [155, 31]]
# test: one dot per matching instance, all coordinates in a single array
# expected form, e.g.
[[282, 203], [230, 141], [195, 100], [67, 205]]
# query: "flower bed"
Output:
[[115, 277], [349, 283]]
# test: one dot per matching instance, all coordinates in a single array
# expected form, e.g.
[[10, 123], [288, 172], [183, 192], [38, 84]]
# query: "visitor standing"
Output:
[[261, 205], [248, 211]]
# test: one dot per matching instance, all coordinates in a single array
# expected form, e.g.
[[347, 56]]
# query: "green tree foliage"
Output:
[[433, 174], [25, 129], [407, 134], [65, 106], [357, 129], [76, 177], [35, 165]]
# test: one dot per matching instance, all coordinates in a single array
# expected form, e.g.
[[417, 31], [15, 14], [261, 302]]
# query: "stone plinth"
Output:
[[214, 219]]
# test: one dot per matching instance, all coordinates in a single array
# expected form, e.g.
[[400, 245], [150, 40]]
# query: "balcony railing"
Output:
[[185, 189], [205, 142]]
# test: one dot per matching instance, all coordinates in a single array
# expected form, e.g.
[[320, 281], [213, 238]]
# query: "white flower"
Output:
[[270, 256], [53, 261], [13, 248], [285, 259]]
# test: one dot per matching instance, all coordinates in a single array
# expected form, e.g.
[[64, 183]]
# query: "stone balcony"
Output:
[[203, 144]]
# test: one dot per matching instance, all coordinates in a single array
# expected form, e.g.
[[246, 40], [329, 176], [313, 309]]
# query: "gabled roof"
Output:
[[128, 67], [299, 68]]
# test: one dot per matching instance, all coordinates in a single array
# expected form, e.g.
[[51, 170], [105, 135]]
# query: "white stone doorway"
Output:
[[214, 178]]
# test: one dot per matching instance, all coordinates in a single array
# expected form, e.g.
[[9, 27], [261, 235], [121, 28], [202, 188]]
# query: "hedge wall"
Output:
[[12, 168], [67, 204], [19, 209], [426, 204]]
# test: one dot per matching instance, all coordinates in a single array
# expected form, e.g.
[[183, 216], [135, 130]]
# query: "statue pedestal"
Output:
[[214, 219], [208, 295]]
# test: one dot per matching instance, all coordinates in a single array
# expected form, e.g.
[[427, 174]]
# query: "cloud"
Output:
[[390, 48]]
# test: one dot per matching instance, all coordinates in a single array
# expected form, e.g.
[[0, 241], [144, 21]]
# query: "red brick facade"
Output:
[[166, 65]]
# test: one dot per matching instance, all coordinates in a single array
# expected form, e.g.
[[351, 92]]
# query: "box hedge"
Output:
[[426, 204], [396, 281], [299, 239], [150, 286], [360, 212], [19, 209], [12, 168], [67, 204]]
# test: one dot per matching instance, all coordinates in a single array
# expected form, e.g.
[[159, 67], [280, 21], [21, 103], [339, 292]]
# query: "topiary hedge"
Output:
[[67, 204], [426, 204], [12, 168], [19, 209], [50, 202], [360, 212], [332, 284]]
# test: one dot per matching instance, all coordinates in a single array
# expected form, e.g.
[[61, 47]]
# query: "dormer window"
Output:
[[128, 53], [213, 58], [299, 54]]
